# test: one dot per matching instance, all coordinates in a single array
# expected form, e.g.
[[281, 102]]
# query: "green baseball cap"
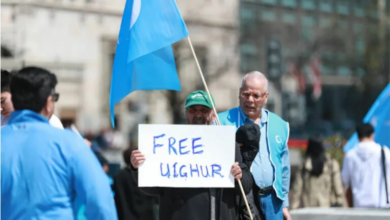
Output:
[[199, 98]]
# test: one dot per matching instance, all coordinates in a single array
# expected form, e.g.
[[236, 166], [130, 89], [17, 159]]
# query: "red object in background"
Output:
[[299, 76], [315, 69], [298, 144]]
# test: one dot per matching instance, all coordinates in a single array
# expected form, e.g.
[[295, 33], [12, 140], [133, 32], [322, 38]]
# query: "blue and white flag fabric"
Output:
[[144, 58], [379, 118]]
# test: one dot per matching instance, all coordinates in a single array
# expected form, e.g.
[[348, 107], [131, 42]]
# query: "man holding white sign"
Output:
[[184, 156]]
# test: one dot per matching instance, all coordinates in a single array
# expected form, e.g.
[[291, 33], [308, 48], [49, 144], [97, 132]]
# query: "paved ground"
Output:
[[340, 214]]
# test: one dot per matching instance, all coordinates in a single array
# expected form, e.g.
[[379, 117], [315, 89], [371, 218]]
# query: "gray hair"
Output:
[[258, 75]]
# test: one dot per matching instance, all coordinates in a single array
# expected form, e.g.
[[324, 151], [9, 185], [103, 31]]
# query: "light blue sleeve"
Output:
[[286, 175], [91, 183]]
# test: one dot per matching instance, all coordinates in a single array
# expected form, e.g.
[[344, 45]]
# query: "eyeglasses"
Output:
[[256, 96], [55, 96]]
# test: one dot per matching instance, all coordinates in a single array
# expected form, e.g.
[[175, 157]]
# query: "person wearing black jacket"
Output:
[[131, 203], [248, 138], [199, 203]]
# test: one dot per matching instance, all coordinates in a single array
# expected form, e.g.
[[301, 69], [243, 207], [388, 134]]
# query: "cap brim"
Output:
[[191, 103]]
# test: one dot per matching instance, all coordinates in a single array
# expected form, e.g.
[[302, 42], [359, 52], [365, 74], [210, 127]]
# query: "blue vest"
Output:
[[277, 136]]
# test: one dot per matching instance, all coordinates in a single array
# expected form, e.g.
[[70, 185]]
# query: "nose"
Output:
[[250, 99], [197, 114]]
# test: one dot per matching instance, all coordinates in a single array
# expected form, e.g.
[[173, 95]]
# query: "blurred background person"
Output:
[[363, 171], [6, 103], [130, 202], [318, 181]]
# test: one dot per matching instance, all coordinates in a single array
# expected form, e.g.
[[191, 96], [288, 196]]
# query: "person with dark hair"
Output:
[[130, 202], [44, 168], [365, 132], [318, 181], [366, 171], [6, 103]]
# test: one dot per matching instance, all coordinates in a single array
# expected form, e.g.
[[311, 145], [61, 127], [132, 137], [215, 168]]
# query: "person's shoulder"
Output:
[[56, 122], [65, 136], [275, 116], [332, 161], [351, 154], [228, 117], [228, 112]]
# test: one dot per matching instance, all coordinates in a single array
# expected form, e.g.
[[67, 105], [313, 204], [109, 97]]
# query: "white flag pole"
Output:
[[204, 81], [216, 115]]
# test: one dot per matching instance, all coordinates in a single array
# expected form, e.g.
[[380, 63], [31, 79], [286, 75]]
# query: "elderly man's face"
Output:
[[6, 104], [199, 115], [253, 96]]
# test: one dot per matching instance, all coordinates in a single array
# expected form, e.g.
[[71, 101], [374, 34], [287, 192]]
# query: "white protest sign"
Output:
[[186, 155]]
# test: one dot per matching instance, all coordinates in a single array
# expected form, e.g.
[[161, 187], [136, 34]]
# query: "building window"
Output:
[[342, 7], [341, 56], [308, 21], [344, 25], [247, 13], [326, 6], [289, 3], [387, 9], [344, 71], [358, 9], [268, 16], [248, 63], [270, 2], [360, 45], [325, 23], [249, 58], [288, 52], [308, 4], [308, 34], [248, 49], [289, 18], [360, 72], [374, 14], [325, 70], [374, 29], [358, 27]]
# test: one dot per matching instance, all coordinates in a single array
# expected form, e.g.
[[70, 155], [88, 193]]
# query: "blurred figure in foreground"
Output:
[[6, 102], [43, 168], [130, 202], [318, 181], [366, 171]]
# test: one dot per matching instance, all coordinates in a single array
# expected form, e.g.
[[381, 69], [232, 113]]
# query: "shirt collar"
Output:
[[26, 116], [263, 119]]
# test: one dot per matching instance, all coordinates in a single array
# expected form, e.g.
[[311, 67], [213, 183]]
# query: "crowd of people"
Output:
[[49, 172]]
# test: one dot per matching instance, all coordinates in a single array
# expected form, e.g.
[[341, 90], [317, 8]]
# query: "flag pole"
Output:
[[204, 81], [216, 116]]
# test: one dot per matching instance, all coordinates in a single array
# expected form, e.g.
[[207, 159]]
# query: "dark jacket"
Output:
[[249, 137], [130, 203], [195, 203]]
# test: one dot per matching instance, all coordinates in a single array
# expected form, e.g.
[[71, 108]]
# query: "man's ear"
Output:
[[47, 107], [213, 116], [48, 103]]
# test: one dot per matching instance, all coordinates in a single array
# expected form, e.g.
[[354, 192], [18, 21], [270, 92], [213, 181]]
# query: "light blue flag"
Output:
[[144, 59], [379, 118]]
